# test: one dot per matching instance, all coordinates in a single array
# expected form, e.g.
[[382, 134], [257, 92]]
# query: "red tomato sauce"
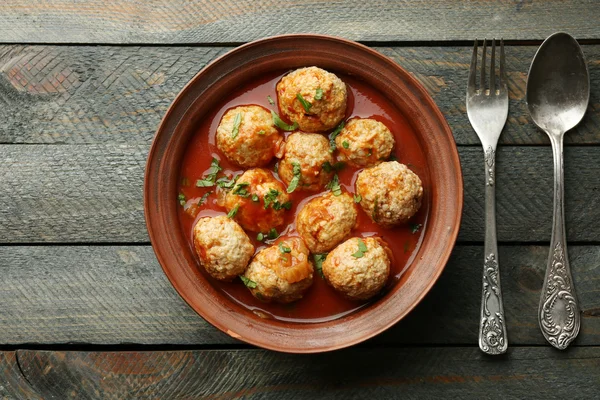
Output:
[[320, 303]]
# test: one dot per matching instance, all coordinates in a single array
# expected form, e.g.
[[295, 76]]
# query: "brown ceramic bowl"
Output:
[[197, 100]]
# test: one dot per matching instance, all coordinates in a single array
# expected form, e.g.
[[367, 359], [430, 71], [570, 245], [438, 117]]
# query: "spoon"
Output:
[[558, 92]]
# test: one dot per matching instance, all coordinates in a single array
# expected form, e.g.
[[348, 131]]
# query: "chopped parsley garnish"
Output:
[[272, 234], [233, 211], [261, 132], [282, 125], [334, 186], [357, 198], [318, 94], [255, 198], [304, 103], [270, 99], [211, 176], [319, 258], [345, 144], [225, 183], [333, 135], [327, 167], [393, 158], [240, 189], [260, 237], [414, 228], [278, 206], [270, 197], [181, 198], [249, 283], [296, 179], [287, 205], [203, 198], [362, 249], [284, 249], [236, 125]]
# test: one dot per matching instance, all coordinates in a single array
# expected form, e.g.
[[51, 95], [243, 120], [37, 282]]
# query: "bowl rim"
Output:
[[453, 156]]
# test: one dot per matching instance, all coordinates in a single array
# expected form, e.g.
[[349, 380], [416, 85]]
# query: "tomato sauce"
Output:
[[320, 303]]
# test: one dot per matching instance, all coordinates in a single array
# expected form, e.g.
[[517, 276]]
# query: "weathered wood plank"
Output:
[[13, 384], [93, 193], [198, 21], [355, 373], [83, 94], [115, 295]]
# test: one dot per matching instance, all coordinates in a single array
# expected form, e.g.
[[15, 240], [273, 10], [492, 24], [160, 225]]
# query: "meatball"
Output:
[[222, 246], [309, 153], [247, 136], [358, 268], [257, 201], [312, 97], [281, 273], [326, 220], [364, 142], [391, 193]]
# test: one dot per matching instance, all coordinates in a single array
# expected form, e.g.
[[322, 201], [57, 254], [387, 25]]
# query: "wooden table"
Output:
[[86, 311]]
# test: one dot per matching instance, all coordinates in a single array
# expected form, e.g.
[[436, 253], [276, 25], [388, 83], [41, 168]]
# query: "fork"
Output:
[[487, 110]]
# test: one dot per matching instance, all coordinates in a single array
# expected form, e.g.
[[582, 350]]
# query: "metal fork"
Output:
[[487, 110]]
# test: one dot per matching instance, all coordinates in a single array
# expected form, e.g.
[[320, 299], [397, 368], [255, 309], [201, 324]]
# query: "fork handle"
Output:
[[492, 328]]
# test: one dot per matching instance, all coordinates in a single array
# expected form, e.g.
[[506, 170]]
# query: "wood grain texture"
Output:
[[83, 94], [93, 193], [119, 295], [13, 384], [351, 374], [200, 21]]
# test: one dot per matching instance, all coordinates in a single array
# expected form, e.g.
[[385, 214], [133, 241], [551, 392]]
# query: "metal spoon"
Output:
[[558, 92]]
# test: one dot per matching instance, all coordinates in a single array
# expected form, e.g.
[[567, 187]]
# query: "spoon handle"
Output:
[[492, 328], [559, 309]]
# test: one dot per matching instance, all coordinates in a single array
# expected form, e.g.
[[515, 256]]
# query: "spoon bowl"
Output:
[[558, 92], [558, 86]]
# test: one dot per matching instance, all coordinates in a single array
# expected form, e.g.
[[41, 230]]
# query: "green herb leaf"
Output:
[[181, 198], [211, 174], [204, 197], [362, 249], [273, 234], [236, 125], [284, 249], [296, 179], [318, 94], [225, 183], [260, 237], [319, 258], [270, 197], [270, 99], [255, 198], [249, 283], [345, 144], [282, 125], [287, 205], [261, 132], [304, 103], [240, 190], [327, 167], [233, 211], [333, 135], [393, 158], [357, 198], [205, 183], [334, 186], [414, 228]]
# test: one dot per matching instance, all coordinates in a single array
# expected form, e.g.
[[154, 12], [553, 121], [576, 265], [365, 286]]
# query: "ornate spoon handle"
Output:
[[492, 328], [559, 310]]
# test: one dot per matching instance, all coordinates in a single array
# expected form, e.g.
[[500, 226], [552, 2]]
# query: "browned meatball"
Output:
[[391, 193], [364, 142], [282, 272], [358, 268], [309, 154], [313, 98], [247, 136], [326, 220], [258, 201]]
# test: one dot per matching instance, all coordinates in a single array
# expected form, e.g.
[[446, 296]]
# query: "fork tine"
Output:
[[503, 80], [473, 69], [493, 69], [482, 82]]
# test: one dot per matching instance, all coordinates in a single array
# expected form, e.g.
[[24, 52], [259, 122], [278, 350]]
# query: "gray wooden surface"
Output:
[[83, 86]]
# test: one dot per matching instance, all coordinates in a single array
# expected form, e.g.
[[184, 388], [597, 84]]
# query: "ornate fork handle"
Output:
[[492, 328], [559, 310]]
